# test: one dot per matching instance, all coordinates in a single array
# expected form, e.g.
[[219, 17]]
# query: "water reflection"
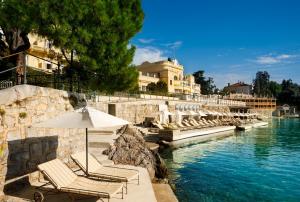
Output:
[[261, 164]]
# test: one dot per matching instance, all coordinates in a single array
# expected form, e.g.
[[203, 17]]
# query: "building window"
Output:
[[144, 88], [40, 65], [175, 78], [49, 66], [171, 82]]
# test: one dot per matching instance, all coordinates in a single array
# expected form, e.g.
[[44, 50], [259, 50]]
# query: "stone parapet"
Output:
[[23, 147]]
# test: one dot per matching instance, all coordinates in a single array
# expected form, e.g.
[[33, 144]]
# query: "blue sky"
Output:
[[230, 39]]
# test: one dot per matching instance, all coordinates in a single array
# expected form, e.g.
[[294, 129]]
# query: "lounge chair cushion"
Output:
[[59, 173], [97, 169], [80, 159], [64, 179], [93, 186]]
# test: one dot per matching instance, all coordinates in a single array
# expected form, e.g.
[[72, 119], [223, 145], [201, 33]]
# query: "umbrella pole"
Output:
[[87, 151]]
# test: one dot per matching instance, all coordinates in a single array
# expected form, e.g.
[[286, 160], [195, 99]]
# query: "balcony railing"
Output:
[[154, 75]]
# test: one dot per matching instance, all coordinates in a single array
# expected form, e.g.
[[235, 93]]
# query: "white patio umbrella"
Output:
[[209, 112], [181, 113], [84, 118], [201, 113], [192, 113], [166, 112]]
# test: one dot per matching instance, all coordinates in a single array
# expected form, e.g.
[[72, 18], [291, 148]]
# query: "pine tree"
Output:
[[94, 33]]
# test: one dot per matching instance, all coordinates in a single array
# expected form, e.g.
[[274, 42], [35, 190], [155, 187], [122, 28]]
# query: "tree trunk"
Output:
[[18, 42]]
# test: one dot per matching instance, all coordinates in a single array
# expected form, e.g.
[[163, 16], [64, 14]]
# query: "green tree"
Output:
[[94, 33], [207, 85], [151, 87], [274, 88], [160, 87], [261, 83], [13, 35]]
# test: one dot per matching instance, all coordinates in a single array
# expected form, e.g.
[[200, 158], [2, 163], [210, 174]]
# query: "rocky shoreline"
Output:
[[130, 148]]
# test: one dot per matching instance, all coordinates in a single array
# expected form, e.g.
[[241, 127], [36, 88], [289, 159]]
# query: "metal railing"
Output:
[[5, 84]]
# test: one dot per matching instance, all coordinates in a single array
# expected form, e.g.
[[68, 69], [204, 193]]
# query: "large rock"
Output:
[[130, 149]]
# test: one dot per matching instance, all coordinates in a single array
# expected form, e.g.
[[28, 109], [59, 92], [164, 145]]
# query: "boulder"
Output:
[[130, 149]]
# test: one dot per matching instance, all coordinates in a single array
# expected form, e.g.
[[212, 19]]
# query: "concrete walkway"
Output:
[[136, 193], [99, 141], [164, 193]]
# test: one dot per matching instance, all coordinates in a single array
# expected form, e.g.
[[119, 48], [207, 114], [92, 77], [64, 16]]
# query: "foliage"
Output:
[[159, 87], [22, 115], [290, 93], [261, 84], [93, 33], [207, 85], [274, 88], [287, 92], [2, 112]]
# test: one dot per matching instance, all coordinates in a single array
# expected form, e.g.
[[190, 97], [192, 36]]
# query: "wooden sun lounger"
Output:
[[195, 124], [158, 125], [99, 171], [206, 122], [204, 125], [63, 179], [187, 124], [182, 127]]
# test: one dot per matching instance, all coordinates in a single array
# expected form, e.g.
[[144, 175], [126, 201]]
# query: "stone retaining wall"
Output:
[[23, 147], [135, 112]]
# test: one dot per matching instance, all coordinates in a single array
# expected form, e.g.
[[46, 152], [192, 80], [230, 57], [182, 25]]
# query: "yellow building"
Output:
[[171, 72], [42, 56]]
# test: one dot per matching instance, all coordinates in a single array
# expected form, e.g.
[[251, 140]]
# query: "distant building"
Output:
[[239, 88], [253, 102], [286, 111], [171, 72], [42, 54]]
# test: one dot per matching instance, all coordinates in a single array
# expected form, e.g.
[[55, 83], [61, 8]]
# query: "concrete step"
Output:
[[103, 138], [99, 132], [99, 144], [98, 154]]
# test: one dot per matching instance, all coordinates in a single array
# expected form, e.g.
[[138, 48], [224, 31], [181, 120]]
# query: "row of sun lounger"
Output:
[[191, 123], [100, 181]]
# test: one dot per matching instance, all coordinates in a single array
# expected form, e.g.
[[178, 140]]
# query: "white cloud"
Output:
[[146, 41], [267, 60], [284, 56], [174, 45], [271, 59], [150, 54]]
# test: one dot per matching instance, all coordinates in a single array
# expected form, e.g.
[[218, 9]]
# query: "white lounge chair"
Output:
[[63, 179], [111, 173]]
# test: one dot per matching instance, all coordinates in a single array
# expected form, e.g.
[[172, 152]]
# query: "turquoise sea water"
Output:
[[261, 164]]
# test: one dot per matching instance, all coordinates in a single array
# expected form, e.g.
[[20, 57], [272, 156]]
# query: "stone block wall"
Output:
[[23, 147], [135, 112]]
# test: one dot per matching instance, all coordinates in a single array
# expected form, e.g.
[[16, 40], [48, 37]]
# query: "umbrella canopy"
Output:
[[86, 117], [201, 113], [229, 114], [167, 112], [192, 113], [209, 112], [180, 113], [214, 113]]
